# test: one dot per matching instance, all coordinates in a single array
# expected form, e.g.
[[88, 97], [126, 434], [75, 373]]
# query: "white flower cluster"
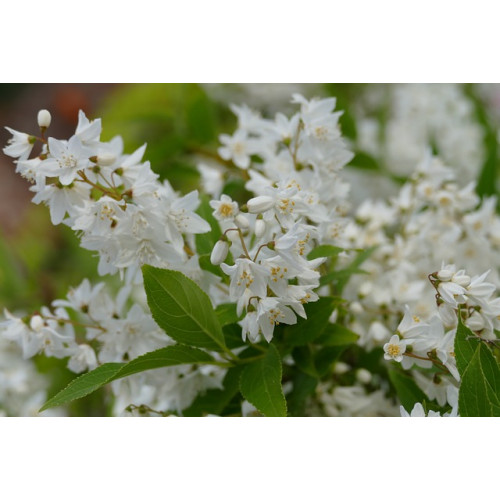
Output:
[[113, 200], [23, 390], [106, 330], [420, 115], [299, 199], [432, 220], [431, 342]]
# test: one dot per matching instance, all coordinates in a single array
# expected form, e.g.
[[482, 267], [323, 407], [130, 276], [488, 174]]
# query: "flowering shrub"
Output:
[[292, 301]]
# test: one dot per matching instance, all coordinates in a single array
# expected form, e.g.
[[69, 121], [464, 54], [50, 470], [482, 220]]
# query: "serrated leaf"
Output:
[[91, 381], [479, 392], [181, 308], [260, 384], [407, 390], [324, 251], [307, 330]]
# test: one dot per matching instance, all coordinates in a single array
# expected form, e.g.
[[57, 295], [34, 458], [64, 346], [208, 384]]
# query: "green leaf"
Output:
[[336, 335], [303, 387], [479, 393], [260, 384], [304, 359], [182, 308], [324, 251], [226, 314], [206, 265], [307, 330], [486, 182], [407, 390], [364, 161], [232, 336], [205, 242], [91, 381]]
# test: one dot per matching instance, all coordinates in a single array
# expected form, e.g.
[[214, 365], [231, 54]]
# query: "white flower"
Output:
[[237, 148], [394, 349], [88, 131], [418, 411], [479, 290], [19, 145], [66, 160], [271, 312], [225, 209], [246, 274], [62, 199], [84, 358], [452, 293]]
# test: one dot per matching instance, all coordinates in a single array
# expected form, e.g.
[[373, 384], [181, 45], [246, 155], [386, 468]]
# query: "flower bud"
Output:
[[219, 252], [364, 376], [445, 275], [340, 368], [106, 159], [241, 221], [44, 118], [260, 228], [356, 308], [260, 204], [36, 323], [462, 280]]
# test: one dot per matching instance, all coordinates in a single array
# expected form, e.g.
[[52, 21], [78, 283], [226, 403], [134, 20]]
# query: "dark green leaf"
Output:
[[182, 308], [307, 330], [335, 334], [91, 381], [407, 390], [260, 384], [304, 359], [303, 387], [206, 265], [326, 356]]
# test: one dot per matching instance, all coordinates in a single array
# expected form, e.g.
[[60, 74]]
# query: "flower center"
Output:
[[226, 210], [393, 350]]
